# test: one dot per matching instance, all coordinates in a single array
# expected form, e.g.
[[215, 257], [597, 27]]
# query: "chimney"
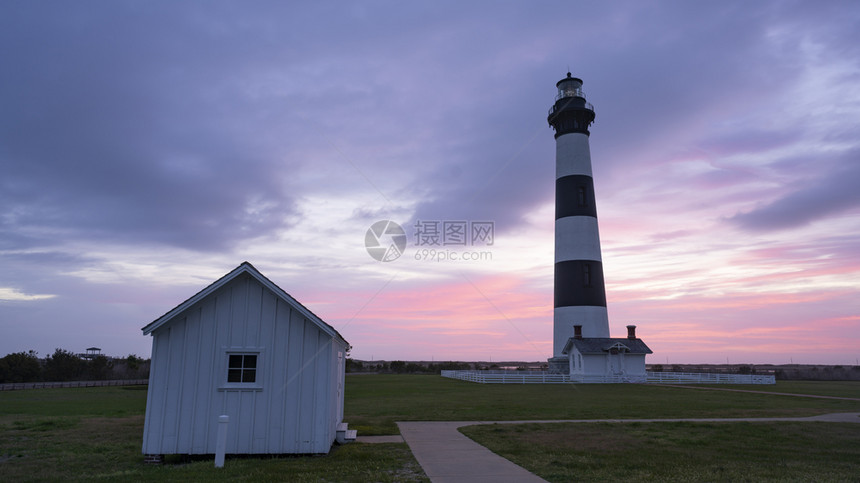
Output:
[[631, 331], [577, 332]]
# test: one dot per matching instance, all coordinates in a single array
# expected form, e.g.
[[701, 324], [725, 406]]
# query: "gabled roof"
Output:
[[599, 345], [244, 267]]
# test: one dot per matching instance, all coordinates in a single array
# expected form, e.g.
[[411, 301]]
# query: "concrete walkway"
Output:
[[393, 438], [447, 456]]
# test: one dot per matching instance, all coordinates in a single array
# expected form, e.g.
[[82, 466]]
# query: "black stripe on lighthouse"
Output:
[[579, 282], [574, 196]]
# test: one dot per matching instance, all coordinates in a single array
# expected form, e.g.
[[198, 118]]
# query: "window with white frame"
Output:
[[242, 368]]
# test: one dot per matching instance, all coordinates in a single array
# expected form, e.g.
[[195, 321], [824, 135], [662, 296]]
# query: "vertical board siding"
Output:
[[264, 337], [323, 362], [231, 408], [280, 374], [292, 413], [307, 394], [237, 315], [330, 386], [246, 419], [198, 382], [189, 374], [296, 410], [164, 366], [209, 374], [174, 386], [153, 415], [254, 314]]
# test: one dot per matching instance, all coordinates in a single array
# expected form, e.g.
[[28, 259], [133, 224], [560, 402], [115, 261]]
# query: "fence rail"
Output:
[[709, 378], [510, 377], [15, 386], [540, 377]]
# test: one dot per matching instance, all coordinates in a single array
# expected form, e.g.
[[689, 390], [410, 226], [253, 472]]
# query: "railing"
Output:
[[708, 378], [541, 377], [608, 379], [507, 377], [570, 93], [51, 385], [552, 109]]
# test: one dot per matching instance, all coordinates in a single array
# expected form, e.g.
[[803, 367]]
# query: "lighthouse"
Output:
[[579, 293]]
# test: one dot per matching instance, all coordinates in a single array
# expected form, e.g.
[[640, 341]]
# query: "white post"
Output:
[[221, 443]]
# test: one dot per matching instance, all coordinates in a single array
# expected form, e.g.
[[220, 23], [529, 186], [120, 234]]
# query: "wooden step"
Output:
[[344, 434]]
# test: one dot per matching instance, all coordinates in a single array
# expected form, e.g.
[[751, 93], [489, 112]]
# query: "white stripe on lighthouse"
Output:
[[577, 238], [572, 155], [594, 322]]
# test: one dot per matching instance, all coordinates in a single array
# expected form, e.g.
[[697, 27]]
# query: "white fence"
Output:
[[707, 378], [508, 377], [51, 385], [540, 377]]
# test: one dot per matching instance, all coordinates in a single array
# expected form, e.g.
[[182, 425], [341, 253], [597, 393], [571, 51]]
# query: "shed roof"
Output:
[[598, 345], [244, 267]]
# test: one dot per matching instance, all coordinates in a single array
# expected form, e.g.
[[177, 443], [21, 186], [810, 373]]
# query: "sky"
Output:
[[148, 148]]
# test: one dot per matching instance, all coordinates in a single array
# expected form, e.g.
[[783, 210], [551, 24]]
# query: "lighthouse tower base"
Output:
[[558, 365]]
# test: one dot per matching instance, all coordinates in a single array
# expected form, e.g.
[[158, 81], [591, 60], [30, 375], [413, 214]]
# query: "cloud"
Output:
[[810, 201], [146, 147], [9, 294], [110, 137]]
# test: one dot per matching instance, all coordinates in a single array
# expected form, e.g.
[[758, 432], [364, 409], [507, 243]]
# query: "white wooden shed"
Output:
[[244, 348]]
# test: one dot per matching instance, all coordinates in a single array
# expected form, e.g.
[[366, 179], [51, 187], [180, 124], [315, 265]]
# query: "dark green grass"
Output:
[[819, 388], [96, 434], [114, 401], [678, 451], [109, 449], [375, 403]]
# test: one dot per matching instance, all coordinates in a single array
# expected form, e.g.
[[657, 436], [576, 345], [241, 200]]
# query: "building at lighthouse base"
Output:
[[602, 357]]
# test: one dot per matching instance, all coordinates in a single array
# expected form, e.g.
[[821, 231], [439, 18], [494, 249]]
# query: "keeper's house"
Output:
[[244, 348], [606, 359]]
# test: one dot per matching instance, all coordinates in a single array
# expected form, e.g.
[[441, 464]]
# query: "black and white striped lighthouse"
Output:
[[580, 297]]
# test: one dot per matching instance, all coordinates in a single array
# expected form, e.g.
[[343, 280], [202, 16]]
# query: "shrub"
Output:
[[20, 367], [64, 365]]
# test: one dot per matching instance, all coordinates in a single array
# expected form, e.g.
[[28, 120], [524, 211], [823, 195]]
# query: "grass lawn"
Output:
[[95, 433], [818, 388], [375, 402], [678, 451]]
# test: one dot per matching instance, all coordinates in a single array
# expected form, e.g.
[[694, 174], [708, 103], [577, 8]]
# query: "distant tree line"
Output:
[[401, 367], [65, 365], [797, 372], [819, 373]]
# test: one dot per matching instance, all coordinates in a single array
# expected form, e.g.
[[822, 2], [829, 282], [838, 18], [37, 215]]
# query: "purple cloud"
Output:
[[810, 201]]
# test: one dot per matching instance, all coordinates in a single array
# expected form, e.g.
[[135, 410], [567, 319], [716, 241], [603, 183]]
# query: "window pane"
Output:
[[241, 368], [234, 375], [249, 375]]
